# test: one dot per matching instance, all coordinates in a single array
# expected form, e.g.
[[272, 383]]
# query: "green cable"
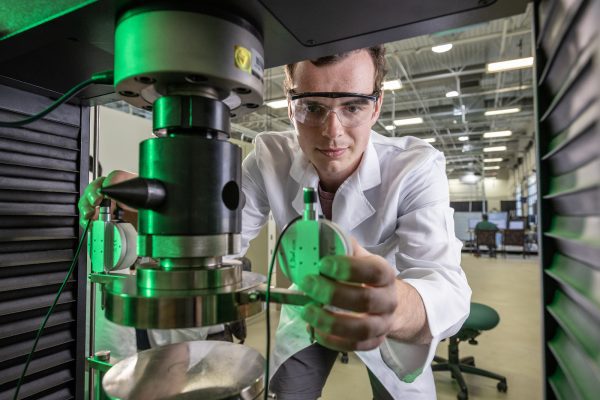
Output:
[[98, 78], [267, 300], [50, 310]]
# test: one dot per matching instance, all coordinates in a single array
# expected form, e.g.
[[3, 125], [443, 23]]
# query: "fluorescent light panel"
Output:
[[470, 178], [492, 160], [430, 140], [463, 138], [392, 85], [510, 64], [277, 103], [494, 149], [442, 48], [389, 127], [502, 111], [497, 134], [452, 93], [408, 121], [491, 167]]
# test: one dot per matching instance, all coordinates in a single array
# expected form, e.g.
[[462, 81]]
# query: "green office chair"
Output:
[[481, 318]]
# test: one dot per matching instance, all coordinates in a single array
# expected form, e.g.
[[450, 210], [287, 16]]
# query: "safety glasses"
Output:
[[352, 109]]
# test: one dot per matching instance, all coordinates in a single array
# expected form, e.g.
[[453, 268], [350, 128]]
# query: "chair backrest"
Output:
[[485, 237], [514, 237]]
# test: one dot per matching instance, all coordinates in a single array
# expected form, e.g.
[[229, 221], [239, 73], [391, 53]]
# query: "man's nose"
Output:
[[332, 127]]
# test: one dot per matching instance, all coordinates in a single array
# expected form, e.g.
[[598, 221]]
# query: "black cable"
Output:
[[50, 310], [267, 300], [106, 78]]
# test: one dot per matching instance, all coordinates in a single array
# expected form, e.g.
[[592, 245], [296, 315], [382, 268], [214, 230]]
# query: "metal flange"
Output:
[[130, 305]]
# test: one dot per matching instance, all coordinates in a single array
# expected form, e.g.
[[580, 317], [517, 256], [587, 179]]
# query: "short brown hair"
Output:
[[377, 54]]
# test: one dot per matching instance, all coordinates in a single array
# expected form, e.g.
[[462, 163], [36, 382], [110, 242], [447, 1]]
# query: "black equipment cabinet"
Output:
[[43, 171], [568, 138]]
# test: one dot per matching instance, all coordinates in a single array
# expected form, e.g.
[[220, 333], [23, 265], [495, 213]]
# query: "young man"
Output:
[[404, 282], [407, 289]]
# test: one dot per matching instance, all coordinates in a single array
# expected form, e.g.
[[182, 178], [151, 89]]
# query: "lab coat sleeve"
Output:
[[428, 258], [256, 207]]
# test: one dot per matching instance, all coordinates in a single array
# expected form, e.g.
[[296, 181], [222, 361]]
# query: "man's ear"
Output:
[[378, 105], [290, 111]]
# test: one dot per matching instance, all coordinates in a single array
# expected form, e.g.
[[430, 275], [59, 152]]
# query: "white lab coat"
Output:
[[395, 204]]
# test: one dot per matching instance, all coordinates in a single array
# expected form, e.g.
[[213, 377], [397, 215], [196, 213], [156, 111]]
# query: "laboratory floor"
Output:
[[511, 285]]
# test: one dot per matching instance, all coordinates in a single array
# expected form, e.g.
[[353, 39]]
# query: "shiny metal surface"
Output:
[[206, 370], [157, 246], [280, 296], [145, 68], [226, 275], [127, 304]]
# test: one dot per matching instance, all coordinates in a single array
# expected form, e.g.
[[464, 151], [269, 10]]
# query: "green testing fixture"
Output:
[[309, 239], [194, 69]]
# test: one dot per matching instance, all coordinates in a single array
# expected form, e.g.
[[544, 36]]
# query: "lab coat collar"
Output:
[[350, 206]]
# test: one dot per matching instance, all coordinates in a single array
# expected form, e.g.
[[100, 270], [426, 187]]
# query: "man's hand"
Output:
[[91, 198], [375, 303]]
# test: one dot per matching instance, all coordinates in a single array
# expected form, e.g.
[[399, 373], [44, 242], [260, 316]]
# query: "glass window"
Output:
[[531, 194], [519, 203]]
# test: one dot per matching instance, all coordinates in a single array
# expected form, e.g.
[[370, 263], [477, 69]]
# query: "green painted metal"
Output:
[[19, 16]]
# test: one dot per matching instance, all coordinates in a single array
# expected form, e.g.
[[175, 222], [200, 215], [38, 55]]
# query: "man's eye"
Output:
[[313, 108], [353, 109]]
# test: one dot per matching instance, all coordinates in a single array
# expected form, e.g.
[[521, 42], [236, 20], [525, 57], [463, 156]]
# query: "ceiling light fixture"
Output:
[[430, 140], [463, 138], [442, 48], [509, 65], [502, 111], [389, 127], [497, 134], [408, 121], [277, 103], [494, 149], [392, 85], [452, 93], [491, 167], [470, 178], [492, 160]]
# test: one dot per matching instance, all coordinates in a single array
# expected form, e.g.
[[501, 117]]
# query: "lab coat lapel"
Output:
[[350, 205]]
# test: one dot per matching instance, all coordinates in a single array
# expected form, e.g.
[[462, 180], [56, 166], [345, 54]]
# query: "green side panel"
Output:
[[584, 230], [579, 325], [561, 386], [576, 275], [581, 371], [19, 16]]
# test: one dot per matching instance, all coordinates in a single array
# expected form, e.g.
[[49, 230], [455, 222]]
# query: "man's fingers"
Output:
[[119, 176], [90, 199], [356, 298], [371, 270], [351, 326]]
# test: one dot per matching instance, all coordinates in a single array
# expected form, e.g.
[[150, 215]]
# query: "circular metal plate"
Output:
[[189, 278], [130, 305], [207, 370], [204, 51], [304, 243]]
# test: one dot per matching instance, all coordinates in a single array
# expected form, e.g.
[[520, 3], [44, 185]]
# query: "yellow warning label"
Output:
[[243, 59]]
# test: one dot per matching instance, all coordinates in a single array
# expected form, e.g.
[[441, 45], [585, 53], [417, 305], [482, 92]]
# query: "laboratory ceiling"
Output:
[[455, 123]]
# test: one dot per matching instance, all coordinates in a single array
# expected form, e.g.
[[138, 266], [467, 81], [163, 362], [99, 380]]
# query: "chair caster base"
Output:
[[502, 386], [344, 358]]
